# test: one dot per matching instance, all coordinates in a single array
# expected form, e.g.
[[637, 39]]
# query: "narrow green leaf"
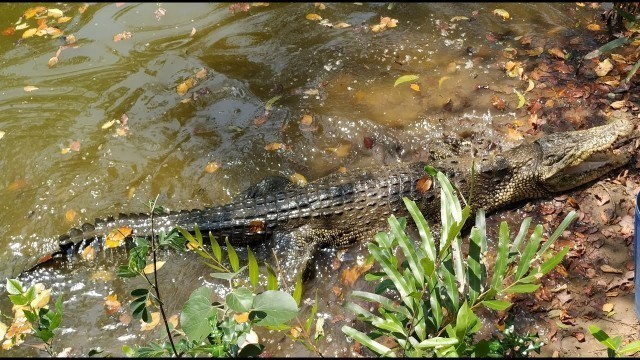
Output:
[[632, 72], [630, 348], [498, 305], [215, 247], [199, 236], [474, 267], [522, 288], [553, 261], [456, 253], [602, 337], [524, 264], [233, 256], [272, 279], [314, 310], [524, 229], [606, 48], [227, 275], [405, 78], [556, 234], [434, 301], [501, 257], [297, 290], [428, 244], [408, 249], [449, 282], [436, 341], [392, 273], [271, 101], [187, 235], [254, 270], [386, 303], [363, 339]]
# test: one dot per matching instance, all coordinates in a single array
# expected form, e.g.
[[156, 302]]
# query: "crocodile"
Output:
[[344, 208]]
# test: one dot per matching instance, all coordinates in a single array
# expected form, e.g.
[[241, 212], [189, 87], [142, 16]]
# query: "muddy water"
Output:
[[343, 78]]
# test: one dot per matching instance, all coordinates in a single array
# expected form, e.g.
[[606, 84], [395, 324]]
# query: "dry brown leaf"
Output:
[[295, 331], [173, 320], [202, 73], [618, 104], [608, 307], [557, 53], [75, 145], [593, 27], [306, 120], [424, 184], [350, 275], [498, 102], [535, 51], [70, 39], [609, 269], [122, 36], [88, 253], [342, 169], [70, 215], [149, 269], [112, 304], [185, 86], [116, 237], [53, 61], [273, 146], [155, 320], [603, 68], [257, 227]]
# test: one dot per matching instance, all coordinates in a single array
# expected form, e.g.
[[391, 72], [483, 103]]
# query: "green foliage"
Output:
[[614, 346], [439, 289]]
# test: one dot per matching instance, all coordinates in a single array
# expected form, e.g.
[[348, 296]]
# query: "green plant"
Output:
[[614, 346], [433, 294], [31, 315]]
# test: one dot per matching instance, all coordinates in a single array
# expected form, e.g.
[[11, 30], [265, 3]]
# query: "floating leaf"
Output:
[[22, 26], [415, 87], [108, 124], [74, 146], [88, 253], [459, 18], [53, 61], [193, 31], [30, 88], [603, 68], [350, 275], [273, 146], [298, 179], [502, 13], [2, 134], [9, 31], [306, 120], [313, 17], [202, 73], [149, 269], [530, 87], [341, 25], [64, 19], [55, 13], [112, 304], [211, 167], [155, 320], [271, 101], [593, 27], [185, 86], [557, 53], [31, 12], [521, 99], [29, 33], [116, 237], [70, 215], [404, 79], [122, 36]]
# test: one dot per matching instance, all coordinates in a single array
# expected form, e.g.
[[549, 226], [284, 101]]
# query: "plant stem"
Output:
[[155, 278]]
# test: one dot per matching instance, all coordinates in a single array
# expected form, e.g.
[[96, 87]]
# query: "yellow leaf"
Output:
[[149, 268], [241, 318], [83, 8], [54, 13], [618, 104], [31, 12], [30, 88], [108, 124], [557, 53], [41, 299], [306, 120], [103, 276], [53, 61], [341, 25], [65, 151], [88, 253], [459, 18], [531, 86], [271, 101], [521, 99], [593, 27], [415, 87], [314, 17], [155, 320], [112, 304], [514, 135], [404, 79], [116, 237], [608, 307], [273, 146], [295, 331], [211, 167], [298, 179], [603, 68], [173, 320], [29, 33], [70, 215], [131, 192], [64, 19], [502, 13], [342, 150], [442, 80]]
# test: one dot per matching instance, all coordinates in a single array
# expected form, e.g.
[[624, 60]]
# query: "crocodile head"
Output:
[[554, 163]]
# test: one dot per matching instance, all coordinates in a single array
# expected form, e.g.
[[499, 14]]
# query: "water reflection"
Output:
[[342, 77]]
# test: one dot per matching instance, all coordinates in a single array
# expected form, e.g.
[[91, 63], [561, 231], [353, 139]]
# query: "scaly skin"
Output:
[[341, 209]]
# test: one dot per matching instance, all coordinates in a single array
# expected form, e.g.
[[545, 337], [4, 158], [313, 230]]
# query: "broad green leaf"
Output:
[[272, 279], [436, 341], [194, 319], [524, 263], [14, 287], [278, 306], [405, 78], [408, 249], [428, 244], [602, 337], [553, 261], [382, 238], [466, 322], [240, 300], [522, 288], [271, 101], [561, 228], [388, 304], [254, 270], [630, 348], [428, 266], [140, 292], [363, 339], [233, 256], [297, 290], [498, 305], [215, 247], [501, 257]]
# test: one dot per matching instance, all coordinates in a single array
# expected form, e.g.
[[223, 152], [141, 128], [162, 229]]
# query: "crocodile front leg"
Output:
[[294, 250]]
